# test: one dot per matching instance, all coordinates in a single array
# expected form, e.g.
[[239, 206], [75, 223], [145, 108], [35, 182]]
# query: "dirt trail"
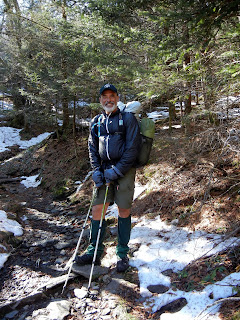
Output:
[[186, 186]]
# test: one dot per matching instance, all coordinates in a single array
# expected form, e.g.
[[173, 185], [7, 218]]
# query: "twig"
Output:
[[217, 302]]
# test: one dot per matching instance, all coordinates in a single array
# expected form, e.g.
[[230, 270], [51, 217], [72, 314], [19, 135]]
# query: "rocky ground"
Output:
[[193, 179]]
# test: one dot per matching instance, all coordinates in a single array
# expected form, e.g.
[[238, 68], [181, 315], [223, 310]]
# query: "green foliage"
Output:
[[183, 274], [211, 276], [55, 51]]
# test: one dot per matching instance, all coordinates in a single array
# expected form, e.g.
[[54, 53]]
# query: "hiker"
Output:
[[113, 143]]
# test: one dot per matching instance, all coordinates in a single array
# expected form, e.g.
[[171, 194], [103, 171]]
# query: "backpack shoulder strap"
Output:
[[99, 125], [96, 125], [120, 123]]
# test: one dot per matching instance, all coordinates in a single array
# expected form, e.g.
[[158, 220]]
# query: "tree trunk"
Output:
[[188, 100], [188, 104], [74, 125], [65, 77], [172, 114]]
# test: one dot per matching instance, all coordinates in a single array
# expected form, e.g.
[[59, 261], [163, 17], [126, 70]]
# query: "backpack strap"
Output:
[[99, 125], [120, 122], [120, 125]]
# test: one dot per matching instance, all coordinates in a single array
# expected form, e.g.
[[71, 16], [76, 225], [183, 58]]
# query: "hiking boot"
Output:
[[123, 264], [86, 259]]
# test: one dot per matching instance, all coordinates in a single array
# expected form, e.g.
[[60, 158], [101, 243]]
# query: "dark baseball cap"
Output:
[[109, 87]]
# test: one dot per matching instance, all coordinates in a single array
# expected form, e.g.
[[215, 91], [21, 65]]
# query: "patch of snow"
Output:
[[177, 126], [31, 182], [11, 136], [199, 303], [3, 258], [156, 115], [113, 210], [169, 247], [6, 105], [9, 224]]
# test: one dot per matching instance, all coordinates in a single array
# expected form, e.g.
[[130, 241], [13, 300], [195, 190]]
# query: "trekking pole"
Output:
[[98, 237], [79, 241]]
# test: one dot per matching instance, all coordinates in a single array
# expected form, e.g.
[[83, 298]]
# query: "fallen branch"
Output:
[[217, 302], [9, 180], [41, 293]]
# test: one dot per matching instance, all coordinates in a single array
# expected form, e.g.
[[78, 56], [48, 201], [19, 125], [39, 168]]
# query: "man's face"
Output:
[[109, 100]]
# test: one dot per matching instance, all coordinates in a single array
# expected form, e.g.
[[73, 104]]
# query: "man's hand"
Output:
[[112, 174], [98, 178]]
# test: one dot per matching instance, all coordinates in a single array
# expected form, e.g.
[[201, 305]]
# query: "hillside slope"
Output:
[[192, 180]]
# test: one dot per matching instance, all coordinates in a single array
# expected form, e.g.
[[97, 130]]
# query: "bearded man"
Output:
[[114, 143]]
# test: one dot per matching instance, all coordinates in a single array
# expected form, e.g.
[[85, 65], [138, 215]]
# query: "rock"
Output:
[[59, 309], [11, 315], [43, 243], [158, 288], [59, 261], [175, 222], [81, 293], [120, 312], [56, 310], [62, 245], [106, 279], [118, 284], [174, 306], [71, 213], [85, 270], [106, 311], [55, 212], [5, 235], [168, 272]]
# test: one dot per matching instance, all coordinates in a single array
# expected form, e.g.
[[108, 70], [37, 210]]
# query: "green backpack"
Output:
[[147, 131]]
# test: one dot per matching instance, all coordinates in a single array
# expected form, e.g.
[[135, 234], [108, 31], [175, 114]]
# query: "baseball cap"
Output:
[[109, 87]]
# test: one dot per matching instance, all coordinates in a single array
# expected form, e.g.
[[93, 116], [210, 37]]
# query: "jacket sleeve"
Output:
[[132, 143], [94, 157]]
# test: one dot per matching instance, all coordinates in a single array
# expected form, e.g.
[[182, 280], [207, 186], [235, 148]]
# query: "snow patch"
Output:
[[31, 182]]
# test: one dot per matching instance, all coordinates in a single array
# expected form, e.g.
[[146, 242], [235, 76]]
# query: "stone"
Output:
[[175, 222], [58, 309], [59, 260], [43, 243], [80, 293], [106, 311], [71, 213], [62, 245], [168, 272], [106, 279], [11, 315], [158, 288], [85, 270], [117, 284], [174, 306]]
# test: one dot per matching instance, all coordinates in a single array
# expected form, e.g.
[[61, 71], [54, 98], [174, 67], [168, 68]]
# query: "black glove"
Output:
[[98, 178], [112, 174]]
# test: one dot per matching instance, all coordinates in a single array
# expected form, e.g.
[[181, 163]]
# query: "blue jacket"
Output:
[[114, 140]]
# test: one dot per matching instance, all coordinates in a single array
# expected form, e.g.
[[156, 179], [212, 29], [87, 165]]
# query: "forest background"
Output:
[[54, 57], [55, 53]]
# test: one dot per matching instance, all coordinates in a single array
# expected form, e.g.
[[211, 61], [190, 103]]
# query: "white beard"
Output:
[[110, 109]]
